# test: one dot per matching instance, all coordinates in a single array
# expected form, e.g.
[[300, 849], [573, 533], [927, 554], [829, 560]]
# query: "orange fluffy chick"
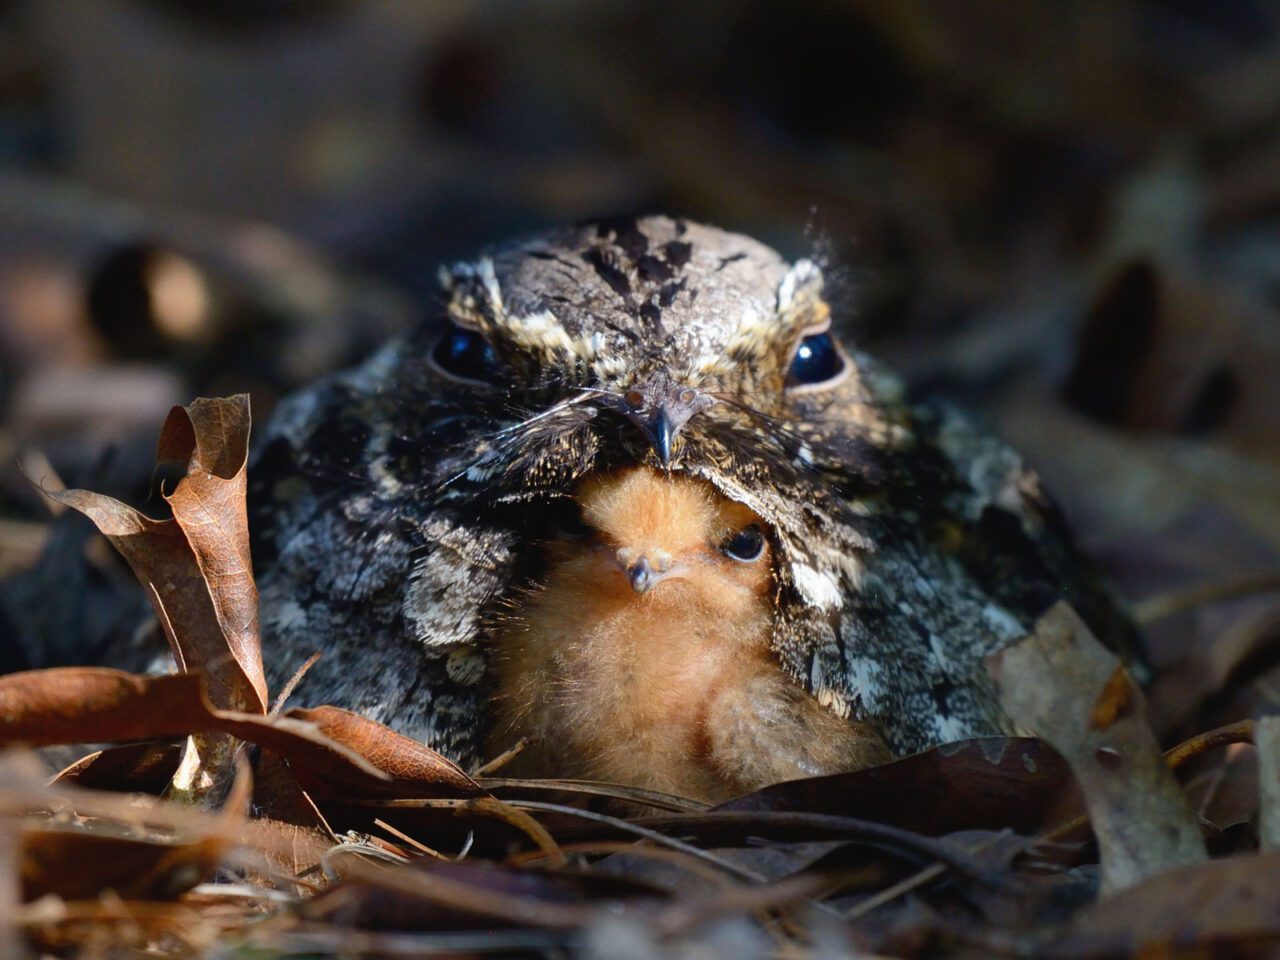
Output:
[[643, 658]]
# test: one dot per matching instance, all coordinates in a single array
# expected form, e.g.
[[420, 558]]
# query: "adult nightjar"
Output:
[[615, 452]]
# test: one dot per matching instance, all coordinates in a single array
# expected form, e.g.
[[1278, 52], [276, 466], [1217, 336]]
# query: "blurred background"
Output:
[[1064, 215]]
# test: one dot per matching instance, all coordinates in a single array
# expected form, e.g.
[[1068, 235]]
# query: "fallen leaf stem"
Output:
[[1164, 605]]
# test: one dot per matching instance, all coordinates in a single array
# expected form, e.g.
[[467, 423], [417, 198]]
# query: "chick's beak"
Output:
[[642, 575], [647, 571]]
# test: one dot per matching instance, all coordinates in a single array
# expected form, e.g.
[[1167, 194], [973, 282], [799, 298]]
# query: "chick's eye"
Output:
[[467, 355], [568, 521], [746, 545], [817, 360]]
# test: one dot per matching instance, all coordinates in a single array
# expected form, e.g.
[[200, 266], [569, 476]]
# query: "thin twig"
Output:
[[511, 813], [595, 788], [416, 844], [622, 826], [1241, 732], [630, 848], [287, 691], [851, 829], [913, 882], [1163, 605], [502, 759]]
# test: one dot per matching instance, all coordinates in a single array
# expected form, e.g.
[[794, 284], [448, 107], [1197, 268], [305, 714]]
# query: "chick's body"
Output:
[[644, 656]]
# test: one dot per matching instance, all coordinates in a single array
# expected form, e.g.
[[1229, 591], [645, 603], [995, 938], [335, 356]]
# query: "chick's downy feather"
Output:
[[665, 681]]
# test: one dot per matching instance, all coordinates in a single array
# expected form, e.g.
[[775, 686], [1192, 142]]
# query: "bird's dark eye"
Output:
[[746, 545], [817, 360], [466, 355]]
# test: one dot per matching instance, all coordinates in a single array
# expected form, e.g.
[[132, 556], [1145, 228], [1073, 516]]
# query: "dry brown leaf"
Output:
[[211, 437], [163, 560], [1051, 682], [283, 808], [84, 704], [88, 704], [1192, 909], [196, 567], [198, 573], [81, 858], [79, 863], [987, 783], [414, 769], [1267, 740], [287, 828], [109, 926], [57, 817], [132, 768]]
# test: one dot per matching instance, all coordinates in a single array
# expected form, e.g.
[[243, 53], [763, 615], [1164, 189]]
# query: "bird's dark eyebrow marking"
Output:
[[608, 271], [651, 312], [667, 295], [725, 261], [627, 332], [550, 255], [627, 236], [678, 251], [651, 268]]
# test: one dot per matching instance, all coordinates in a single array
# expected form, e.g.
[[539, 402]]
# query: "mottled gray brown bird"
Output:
[[408, 512]]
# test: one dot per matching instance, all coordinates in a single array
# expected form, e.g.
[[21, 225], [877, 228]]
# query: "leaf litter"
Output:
[[206, 823]]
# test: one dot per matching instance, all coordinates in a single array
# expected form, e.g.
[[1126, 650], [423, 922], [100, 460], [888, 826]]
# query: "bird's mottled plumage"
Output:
[[397, 506]]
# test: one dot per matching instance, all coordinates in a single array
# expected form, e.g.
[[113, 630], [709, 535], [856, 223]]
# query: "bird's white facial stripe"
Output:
[[542, 332], [490, 280], [477, 290], [800, 283], [818, 589]]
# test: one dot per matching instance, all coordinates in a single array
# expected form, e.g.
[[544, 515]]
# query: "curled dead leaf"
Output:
[[79, 863], [988, 783], [412, 769], [93, 704], [1051, 683], [196, 567], [212, 436]]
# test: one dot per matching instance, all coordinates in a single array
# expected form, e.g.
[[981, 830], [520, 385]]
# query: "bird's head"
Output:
[[656, 328], [659, 343], [640, 532]]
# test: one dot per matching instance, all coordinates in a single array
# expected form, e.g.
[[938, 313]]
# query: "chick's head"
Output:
[[654, 537]]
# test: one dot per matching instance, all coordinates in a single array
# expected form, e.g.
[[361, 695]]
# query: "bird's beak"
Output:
[[642, 575], [662, 431], [661, 407], [645, 574]]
